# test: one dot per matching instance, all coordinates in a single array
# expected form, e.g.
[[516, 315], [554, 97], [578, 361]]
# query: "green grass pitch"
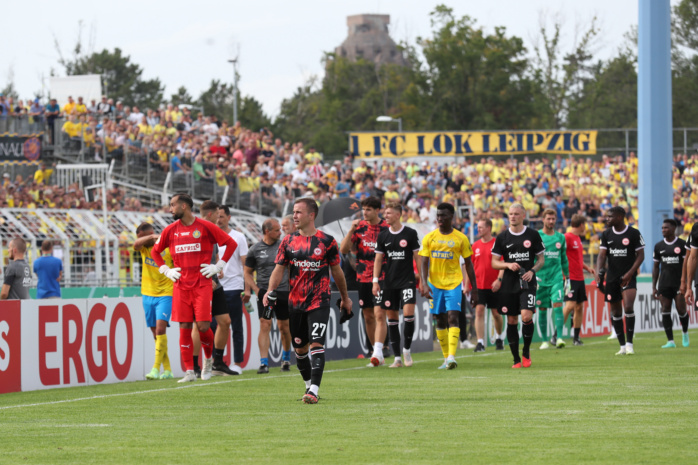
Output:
[[576, 405]]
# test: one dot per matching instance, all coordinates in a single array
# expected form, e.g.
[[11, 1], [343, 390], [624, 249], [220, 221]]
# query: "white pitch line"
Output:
[[238, 380]]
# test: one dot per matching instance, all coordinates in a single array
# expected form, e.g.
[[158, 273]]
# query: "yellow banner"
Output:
[[416, 144]]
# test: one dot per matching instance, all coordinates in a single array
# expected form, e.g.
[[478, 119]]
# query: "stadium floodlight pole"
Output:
[[234, 61], [389, 119]]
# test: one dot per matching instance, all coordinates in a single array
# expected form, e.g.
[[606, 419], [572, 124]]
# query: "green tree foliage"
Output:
[[182, 96], [685, 64], [218, 100]]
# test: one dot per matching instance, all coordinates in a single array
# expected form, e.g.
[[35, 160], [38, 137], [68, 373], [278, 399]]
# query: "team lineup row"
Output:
[[514, 274]]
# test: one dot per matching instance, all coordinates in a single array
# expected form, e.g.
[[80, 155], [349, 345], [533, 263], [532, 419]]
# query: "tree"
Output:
[[685, 63], [252, 115], [218, 100], [181, 96]]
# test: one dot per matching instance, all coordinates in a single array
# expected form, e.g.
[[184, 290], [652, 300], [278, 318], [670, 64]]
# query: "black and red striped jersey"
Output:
[[365, 238]]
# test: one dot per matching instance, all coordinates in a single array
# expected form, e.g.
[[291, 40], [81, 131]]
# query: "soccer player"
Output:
[[219, 307], [577, 294], [441, 279], [363, 235], [235, 289], [489, 281], [551, 279], [520, 252], [157, 298], [624, 248], [690, 274], [18, 276], [397, 246], [261, 258], [668, 258], [191, 241], [309, 255]]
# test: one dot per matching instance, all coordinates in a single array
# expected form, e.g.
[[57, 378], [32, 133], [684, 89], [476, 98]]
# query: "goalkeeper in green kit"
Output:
[[551, 279]]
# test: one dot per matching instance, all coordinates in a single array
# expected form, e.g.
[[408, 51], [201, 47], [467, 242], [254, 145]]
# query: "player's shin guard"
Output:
[[166, 359], [666, 321], [543, 323], [513, 337], [318, 365], [630, 326], [559, 320], [618, 328], [160, 350], [218, 355], [303, 363], [186, 348], [453, 340], [684, 322], [207, 342], [527, 329], [409, 331], [394, 333], [442, 336]]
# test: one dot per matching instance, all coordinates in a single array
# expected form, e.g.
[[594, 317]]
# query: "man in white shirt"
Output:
[[236, 291]]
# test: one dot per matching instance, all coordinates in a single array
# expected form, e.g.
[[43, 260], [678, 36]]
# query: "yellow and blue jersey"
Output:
[[444, 253], [153, 283]]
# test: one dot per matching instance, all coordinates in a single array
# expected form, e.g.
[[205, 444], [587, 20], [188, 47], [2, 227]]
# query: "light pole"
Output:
[[389, 119], [234, 61]]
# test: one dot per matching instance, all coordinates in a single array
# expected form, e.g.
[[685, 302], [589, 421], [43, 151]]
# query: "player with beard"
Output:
[[309, 255], [576, 294], [668, 258], [362, 236], [520, 252], [624, 248], [441, 279], [551, 279], [191, 242], [397, 246]]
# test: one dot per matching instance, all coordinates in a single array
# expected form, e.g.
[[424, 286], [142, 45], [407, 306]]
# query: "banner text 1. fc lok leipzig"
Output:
[[453, 143]]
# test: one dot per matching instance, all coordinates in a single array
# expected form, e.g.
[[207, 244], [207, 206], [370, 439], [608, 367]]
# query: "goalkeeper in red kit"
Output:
[[191, 242]]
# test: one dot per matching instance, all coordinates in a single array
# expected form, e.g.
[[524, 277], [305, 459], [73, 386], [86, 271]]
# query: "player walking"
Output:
[[519, 251], [489, 281], [156, 290], [309, 255], [690, 273], [441, 279], [551, 279], [577, 294], [624, 247], [191, 241], [668, 257], [397, 246]]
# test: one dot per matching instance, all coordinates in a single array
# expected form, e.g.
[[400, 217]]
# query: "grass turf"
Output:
[[575, 405]]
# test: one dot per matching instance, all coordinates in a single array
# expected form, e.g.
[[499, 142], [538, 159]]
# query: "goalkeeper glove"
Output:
[[209, 270], [172, 273]]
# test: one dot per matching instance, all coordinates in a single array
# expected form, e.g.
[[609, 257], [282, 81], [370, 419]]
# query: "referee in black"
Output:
[[669, 254], [624, 248]]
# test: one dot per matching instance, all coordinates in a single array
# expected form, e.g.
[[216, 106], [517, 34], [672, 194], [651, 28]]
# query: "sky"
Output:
[[279, 44]]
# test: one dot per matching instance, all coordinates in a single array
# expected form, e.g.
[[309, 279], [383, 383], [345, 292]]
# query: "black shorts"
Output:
[[395, 299], [669, 292], [488, 298], [280, 309], [309, 327], [219, 306], [577, 292], [366, 297], [614, 291], [512, 304]]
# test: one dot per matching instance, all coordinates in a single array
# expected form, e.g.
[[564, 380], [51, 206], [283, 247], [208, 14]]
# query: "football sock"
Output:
[[559, 320], [463, 324], [195, 359], [666, 321], [684, 322], [513, 336], [442, 336], [481, 341], [218, 354], [409, 331], [576, 333], [186, 348], [377, 349], [264, 361], [543, 323], [453, 340], [286, 355], [630, 326], [160, 350], [618, 328], [165, 358], [207, 342], [527, 329], [394, 332], [318, 366], [303, 363]]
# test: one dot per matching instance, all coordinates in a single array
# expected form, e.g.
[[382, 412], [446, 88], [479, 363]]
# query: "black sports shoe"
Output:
[[479, 348], [263, 369], [553, 340], [197, 370], [578, 342], [285, 366], [221, 369], [499, 344]]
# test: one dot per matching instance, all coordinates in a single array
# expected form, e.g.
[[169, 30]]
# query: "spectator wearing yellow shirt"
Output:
[[312, 155], [42, 174], [392, 195], [80, 107], [69, 108]]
